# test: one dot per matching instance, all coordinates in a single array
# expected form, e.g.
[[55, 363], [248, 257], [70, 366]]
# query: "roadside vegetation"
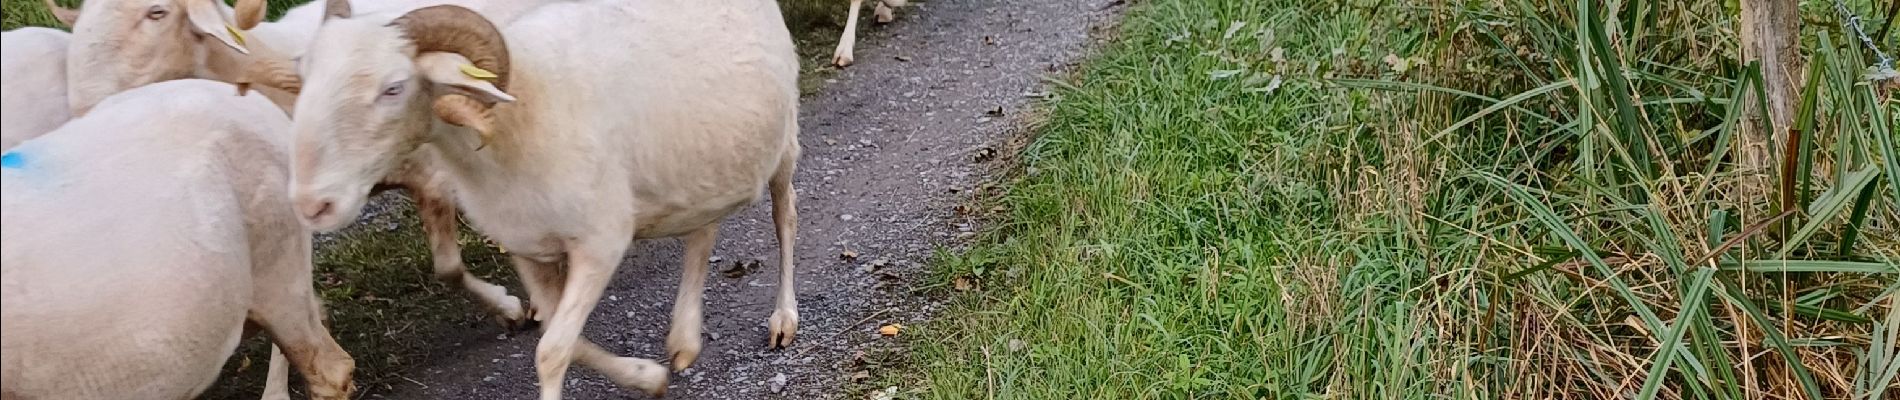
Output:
[[1530, 199]]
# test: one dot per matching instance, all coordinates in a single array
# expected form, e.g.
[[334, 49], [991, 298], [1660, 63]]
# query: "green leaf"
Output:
[[1783, 266], [1830, 204]]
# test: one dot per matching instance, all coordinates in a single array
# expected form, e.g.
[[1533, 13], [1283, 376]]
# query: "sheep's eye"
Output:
[[392, 90], [155, 13]]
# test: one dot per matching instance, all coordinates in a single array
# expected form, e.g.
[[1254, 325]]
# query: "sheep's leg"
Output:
[[544, 282], [683, 341], [439, 226], [277, 380], [628, 372], [883, 11], [784, 321], [286, 306], [842, 56], [300, 335]]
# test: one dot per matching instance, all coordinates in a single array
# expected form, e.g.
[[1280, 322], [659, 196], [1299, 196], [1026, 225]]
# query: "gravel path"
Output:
[[892, 144]]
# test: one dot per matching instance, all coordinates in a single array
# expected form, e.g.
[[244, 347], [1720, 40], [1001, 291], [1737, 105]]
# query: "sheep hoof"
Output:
[[841, 60], [513, 315], [534, 313], [884, 13], [784, 327], [684, 349], [517, 324], [636, 373], [683, 359]]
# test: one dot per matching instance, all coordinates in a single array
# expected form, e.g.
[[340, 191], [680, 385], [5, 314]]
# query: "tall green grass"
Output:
[[1434, 199]]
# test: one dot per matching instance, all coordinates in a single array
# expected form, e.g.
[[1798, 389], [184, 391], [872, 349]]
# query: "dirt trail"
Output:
[[890, 145]]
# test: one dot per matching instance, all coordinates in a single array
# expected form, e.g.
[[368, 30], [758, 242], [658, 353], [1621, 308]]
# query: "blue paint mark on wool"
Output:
[[12, 160]]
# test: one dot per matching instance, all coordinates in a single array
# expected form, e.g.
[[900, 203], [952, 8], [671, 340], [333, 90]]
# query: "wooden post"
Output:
[[1771, 33]]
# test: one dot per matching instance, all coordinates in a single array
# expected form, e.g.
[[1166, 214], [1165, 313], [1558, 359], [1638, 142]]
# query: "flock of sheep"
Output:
[[167, 161]]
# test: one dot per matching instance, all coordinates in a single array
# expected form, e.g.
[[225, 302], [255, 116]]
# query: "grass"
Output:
[[1432, 199], [385, 307]]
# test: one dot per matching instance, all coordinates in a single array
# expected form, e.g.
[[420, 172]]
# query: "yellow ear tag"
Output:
[[235, 34], [477, 72]]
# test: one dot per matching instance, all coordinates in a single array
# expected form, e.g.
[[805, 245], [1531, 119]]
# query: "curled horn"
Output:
[[250, 13], [336, 9], [466, 112], [64, 15], [272, 73], [453, 29]]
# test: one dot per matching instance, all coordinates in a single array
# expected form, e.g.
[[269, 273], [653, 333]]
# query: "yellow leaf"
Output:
[[890, 330], [477, 72]]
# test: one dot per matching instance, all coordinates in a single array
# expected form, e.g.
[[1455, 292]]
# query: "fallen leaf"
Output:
[[1636, 324], [985, 154], [1396, 63], [890, 330], [995, 112], [1272, 83], [861, 375], [1233, 28], [903, 58], [962, 284], [741, 269], [848, 255]]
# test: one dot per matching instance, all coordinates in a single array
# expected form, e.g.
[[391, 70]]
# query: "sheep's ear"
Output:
[[454, 74], [208, 19]]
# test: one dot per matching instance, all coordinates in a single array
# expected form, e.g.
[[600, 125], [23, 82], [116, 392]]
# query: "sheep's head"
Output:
[[122, 44], [372, 93]]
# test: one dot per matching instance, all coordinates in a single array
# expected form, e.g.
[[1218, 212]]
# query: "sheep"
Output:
[[166, 46], [124, 53], [186, 178], [841, 57], [565, 147], [32, 83], [116, 57], [109, 57]]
